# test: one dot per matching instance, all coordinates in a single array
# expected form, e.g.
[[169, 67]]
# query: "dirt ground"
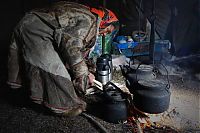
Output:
[[18, 115]]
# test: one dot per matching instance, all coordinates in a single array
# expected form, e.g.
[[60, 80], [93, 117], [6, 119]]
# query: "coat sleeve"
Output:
[[71, 52], [72, 56]]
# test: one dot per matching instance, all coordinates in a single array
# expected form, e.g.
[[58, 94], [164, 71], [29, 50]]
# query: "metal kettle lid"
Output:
[[114, 95], [107, 56]]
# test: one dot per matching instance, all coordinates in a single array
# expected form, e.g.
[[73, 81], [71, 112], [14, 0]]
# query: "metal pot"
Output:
[[104, 68], [114, 105], [140, 72], [151, 96]]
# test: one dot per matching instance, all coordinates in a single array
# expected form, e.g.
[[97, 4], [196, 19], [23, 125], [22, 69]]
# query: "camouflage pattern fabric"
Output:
[[47, 54]]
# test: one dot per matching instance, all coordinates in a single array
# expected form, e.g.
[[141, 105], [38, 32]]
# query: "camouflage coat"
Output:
[[47, 54]]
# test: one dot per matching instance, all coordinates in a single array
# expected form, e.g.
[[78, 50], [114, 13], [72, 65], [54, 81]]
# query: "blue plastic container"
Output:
[[161, 46]]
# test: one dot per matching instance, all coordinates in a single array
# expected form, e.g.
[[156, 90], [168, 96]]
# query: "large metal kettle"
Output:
[[150, 95]]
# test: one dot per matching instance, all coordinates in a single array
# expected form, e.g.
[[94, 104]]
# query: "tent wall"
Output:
[[128, 14], [186, 27], [176, 20], [10, 13]]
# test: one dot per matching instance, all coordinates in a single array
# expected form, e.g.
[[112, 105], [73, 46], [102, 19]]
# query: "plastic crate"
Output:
[[134, 49]]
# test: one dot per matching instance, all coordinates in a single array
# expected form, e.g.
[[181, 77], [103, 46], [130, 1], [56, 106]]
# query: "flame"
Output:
[[139, 120]]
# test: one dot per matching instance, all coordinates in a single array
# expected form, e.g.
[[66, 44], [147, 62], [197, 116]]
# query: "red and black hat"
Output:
[[107, 16]]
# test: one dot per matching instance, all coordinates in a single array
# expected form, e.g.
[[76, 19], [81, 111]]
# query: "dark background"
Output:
[[176, 20]]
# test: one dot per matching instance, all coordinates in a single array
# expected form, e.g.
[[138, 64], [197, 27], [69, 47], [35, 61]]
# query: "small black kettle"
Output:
[[114, 105]]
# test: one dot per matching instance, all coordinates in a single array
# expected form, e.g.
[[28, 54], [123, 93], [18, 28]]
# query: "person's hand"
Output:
[[91, 78], [107, 30]]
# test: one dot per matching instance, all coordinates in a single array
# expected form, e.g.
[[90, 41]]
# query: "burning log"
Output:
[[140, 122]]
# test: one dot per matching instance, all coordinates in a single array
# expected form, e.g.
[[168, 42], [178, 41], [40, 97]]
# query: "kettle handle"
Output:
[[168, 85], [111, 83], [154, 69], [136, 71]]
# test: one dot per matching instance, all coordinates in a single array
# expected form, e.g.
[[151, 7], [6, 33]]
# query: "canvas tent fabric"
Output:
[[176, 20]]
